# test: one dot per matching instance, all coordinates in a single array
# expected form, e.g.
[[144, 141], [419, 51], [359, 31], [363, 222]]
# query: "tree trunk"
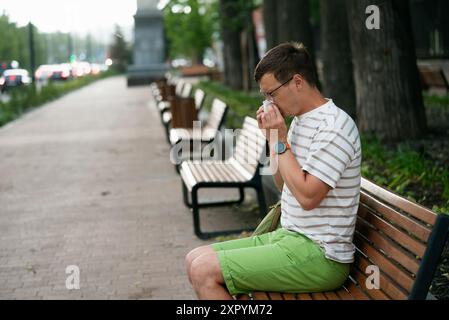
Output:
[[338, 80], [389, 99], [270, 22], [230, 34], [293, 23]]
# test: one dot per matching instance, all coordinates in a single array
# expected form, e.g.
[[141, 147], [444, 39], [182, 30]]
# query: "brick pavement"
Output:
[[85, 180]]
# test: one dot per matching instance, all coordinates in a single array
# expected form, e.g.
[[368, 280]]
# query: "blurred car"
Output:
[[14, 78], [81, 69], [61, 71], [44, 72], [95, 68]]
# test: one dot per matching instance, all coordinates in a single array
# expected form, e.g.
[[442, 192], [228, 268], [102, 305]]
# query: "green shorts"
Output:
[[279, 261]]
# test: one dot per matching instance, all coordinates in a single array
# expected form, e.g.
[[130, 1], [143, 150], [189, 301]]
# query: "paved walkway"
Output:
[[86, 181]]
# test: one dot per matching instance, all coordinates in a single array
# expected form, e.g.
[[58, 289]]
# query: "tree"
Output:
[[231, 28], [289, 20], [189, 28], [293, 23], [119, 51], [270, 22], [389, 98], [338, 80]]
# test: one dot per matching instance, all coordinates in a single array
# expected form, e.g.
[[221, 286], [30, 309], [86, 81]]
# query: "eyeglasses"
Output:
[[269, 95]]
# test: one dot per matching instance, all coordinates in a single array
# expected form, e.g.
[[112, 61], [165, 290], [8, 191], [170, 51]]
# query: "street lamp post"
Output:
[[32, 52]]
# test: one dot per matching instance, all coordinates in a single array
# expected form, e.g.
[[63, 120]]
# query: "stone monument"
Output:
[[149, 44]]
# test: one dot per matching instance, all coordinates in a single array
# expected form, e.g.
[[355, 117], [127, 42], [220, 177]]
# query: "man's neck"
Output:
[[314, 100]]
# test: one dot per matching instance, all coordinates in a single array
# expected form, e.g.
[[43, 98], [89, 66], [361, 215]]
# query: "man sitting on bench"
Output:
[[318, 171]]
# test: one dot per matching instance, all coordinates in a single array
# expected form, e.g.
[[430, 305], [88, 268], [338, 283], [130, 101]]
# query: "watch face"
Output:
[[280, 147]]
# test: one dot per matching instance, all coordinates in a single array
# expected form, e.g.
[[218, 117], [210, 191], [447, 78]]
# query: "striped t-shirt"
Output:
[[326, 143]]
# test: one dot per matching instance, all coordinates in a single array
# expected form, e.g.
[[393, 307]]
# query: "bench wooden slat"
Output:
[[372, 293], [187, 176], [248, 167], [355, 291], [245, 157], [388, 246], [391, 231], [199, 98], [318, 296], [395, 217], [224, 174], [386, 284], [187, 90], [304, 296], [228, 171], [197, 172], [247, 140], [275, 296], [330, 295], [289, 296], [343, 294], [260, 295], [253, 146], [413, 209], [385, 265]]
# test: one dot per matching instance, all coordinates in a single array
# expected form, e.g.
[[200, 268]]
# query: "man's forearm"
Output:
[[277, 177]]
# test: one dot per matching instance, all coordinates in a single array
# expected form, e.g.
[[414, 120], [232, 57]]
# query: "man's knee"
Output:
[[195, 253], [206, 268]]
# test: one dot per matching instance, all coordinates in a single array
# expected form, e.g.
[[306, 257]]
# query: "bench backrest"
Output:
[[186, 90], [433, 79], [199, 98], [217, 115], [249, 146], [401, 238], [179, 86]]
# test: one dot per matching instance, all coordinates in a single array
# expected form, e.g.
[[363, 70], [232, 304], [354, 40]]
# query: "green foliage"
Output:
[[406, 172], [189, 26], [241, 103], [242, 16], [436, 100], [48, 47]]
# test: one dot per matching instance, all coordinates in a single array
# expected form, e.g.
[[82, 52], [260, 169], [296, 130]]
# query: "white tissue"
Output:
[[266, 103]]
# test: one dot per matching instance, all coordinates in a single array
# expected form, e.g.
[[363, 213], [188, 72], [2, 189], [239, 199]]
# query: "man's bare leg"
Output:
[[195, 253], [207, 278]]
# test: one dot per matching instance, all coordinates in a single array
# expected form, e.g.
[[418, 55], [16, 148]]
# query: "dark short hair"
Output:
[[285, 60]]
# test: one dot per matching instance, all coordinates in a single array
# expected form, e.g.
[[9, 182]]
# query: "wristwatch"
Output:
[[280, 147]]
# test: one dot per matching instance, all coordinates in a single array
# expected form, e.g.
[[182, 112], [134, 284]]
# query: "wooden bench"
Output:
[[240, 171], [164, 105], [210, 129], [402, 238], [433, 79], [199, 101]]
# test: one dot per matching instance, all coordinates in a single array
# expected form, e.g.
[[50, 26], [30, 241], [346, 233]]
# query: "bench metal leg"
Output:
[[185, 196], [167, 130], [196, 216]]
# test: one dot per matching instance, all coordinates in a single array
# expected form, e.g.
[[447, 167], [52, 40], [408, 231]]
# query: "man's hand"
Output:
[[272, 123]]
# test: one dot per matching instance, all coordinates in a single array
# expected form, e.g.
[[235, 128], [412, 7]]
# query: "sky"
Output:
[[77, 16]]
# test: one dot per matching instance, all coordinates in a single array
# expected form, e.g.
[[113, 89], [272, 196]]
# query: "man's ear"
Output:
[[299, 81]]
